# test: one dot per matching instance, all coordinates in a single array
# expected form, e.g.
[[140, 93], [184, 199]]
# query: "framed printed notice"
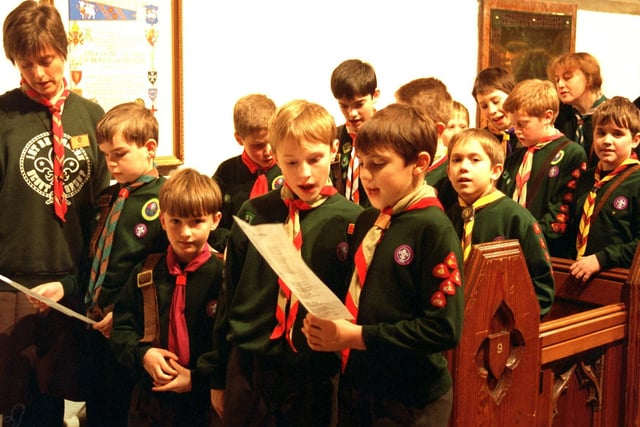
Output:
[[130, 50]]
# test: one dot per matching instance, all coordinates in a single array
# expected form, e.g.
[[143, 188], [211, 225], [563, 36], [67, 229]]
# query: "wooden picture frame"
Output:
[[130, 50], [523, 35]]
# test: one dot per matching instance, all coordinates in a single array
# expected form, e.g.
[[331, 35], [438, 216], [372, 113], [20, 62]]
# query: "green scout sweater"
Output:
[[203, 286], [551, 197], [404, 328], [505, 219], [138, 233], [615, 232], [36, 246], [246, 314]]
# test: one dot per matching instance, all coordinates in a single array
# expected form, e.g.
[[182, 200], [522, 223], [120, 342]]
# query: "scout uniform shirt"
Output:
[[551, 189]]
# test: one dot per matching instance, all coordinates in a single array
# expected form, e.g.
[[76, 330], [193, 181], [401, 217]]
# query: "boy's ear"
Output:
[[238, 139], [216, 220], [549, 115], [422, 163], [333, 149], [162, 221], [376, 95], [440, 127], [496, 171], [635, 140], [151, 145]]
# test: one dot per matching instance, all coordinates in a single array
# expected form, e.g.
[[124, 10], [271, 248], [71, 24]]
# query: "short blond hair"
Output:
[[300, 119], [487, 141], [533, 97]]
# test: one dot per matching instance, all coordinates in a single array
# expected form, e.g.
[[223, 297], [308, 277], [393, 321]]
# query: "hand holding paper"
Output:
[[277, 249]]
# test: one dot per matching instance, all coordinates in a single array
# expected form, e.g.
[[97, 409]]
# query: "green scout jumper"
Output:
[[404, 329], [340, 167], [246, 311], [235, 181], [551, 188], [505, 219], [615, 232], [138, 233], [36, 247], [203, 286]]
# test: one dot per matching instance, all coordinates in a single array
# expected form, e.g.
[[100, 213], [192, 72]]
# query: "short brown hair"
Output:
[[353, 78], [402, 128], [490, 79], [486, 139], [188, 193], [619, 111], [136, 123], [31, 28], [300, 119], [582, 61], [428, 94], [533, 97], [252, 113]]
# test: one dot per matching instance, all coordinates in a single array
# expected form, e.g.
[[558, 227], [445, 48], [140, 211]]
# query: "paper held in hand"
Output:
[[274, 245], [51, 303]]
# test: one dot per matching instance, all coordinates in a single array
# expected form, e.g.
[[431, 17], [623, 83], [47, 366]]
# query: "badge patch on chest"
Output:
[[278, 182], [212, 307], [151, 209], [342, 250], [403, 254], [140, 230], [620, 203]]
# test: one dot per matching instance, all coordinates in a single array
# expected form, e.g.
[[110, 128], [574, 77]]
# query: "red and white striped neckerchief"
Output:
[[352, 185], [524, 171], [260, 186], [590, 203], [287, 306], [57, 165], [423, 197]]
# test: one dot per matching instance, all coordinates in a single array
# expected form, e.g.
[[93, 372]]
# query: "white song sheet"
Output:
[[51, 303], [274, 245]]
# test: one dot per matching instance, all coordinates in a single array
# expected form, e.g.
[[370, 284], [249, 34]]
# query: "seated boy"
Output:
[[432, 97], [484, 214], [173, 386], [265, 374], [355, 86], [607, 228], [543, 174], [490, 89], [405, 293], [252, 173]]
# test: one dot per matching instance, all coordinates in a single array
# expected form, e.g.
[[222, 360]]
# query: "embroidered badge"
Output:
[[438, 300], [346, 148], [344, 162], [278, 182], [620, 203], [227, 198], [576, 173], [151, 209], [403, 254], [140, 230], [249, 216], [79, 141], [350, 228], [448, 271], [536, 228], [554, 171], [558, 157], [342, 250], [212, 307]]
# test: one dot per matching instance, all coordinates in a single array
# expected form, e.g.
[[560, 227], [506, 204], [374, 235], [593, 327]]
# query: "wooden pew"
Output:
[[579, 367]]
